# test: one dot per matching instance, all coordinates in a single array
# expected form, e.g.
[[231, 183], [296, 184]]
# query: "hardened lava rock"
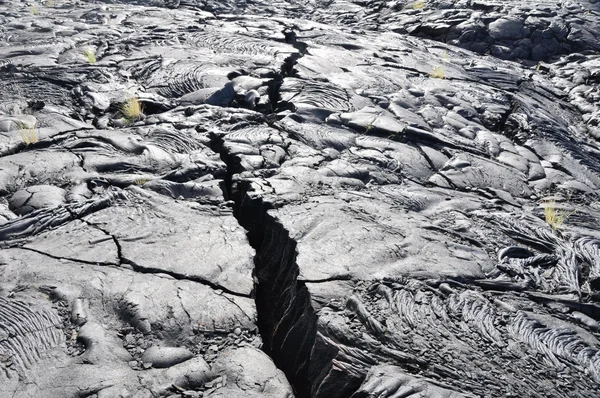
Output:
[[312, 199]]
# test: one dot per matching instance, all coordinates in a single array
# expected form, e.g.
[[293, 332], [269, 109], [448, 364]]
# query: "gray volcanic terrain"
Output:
[[302, 198]]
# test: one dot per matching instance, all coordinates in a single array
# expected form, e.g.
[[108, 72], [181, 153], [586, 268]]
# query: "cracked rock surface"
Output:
[[311, 199]]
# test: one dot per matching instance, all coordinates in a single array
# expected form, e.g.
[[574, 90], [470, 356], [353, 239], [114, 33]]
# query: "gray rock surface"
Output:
[[312, 199]]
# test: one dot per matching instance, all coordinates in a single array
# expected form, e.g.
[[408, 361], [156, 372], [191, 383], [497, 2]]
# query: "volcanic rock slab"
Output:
[[312, 199]]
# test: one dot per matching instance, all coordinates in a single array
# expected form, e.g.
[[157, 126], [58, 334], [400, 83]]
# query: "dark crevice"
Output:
[[330, 279], [175, 275], [76, 260], [152, 270], [287, 70], [286, 321], [112, 236]]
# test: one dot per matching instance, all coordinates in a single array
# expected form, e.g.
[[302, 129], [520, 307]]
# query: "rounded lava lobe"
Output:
[[36, 197], [164, 357]]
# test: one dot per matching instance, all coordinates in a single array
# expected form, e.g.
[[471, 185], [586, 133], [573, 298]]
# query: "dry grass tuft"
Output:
[[141, 181], [555, 217], [418, 5], [90, 55], [29, 135], [132, 109], [438, 73]]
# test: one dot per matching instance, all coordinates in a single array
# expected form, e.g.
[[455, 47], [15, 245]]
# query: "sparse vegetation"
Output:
[[90, 55], [34, 9], [417, 5], [29, 135], [141, 181], [438, 73], [555, 218], [132, 109]]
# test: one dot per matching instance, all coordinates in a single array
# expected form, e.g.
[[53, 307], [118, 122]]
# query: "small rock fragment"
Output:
[[164, 357]]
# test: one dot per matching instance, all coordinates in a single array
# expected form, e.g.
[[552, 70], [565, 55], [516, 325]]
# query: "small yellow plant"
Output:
[[141, 181], [438, 73], [90, 55], [445, 56], [34, 9], [29, 135], [418, 5], [555, 217], [132, 109]]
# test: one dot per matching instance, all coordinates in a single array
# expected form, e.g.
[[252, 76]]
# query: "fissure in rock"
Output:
[[286, 319]]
